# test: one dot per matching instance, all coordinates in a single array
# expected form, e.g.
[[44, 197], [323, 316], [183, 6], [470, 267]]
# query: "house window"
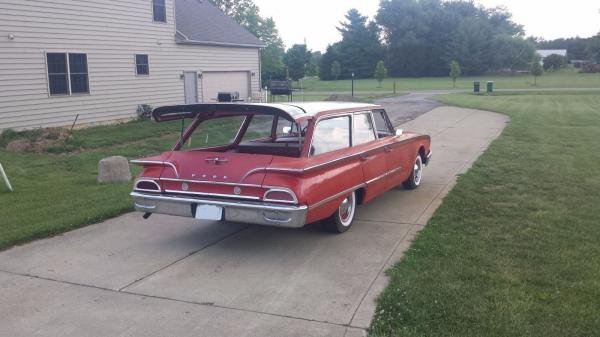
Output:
[[142, 67], [78, 73], [67, 73], [159, 10]]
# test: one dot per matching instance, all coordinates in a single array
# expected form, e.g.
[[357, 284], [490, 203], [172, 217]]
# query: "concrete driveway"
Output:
[[170, 276]]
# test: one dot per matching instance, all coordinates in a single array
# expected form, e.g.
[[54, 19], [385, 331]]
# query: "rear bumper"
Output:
[[291, 216]]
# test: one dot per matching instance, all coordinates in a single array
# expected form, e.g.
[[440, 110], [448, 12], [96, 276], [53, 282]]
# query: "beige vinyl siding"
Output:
[[110, 33]]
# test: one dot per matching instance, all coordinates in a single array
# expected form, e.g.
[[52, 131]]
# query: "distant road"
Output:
[[440, 91]]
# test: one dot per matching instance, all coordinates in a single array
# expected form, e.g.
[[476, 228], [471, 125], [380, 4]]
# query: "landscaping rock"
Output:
[[19, 145], [113, 169]]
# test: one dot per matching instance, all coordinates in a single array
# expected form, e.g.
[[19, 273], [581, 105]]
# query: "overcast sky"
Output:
[[316, 20]]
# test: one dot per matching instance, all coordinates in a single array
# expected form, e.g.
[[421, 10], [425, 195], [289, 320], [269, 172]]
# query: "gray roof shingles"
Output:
[[199, 22]]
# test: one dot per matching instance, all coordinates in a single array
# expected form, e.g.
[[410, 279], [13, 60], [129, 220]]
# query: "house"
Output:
[[543, 53], [102, 59]]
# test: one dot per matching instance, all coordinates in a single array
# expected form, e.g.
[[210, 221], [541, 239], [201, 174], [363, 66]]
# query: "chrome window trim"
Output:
[[157, 162], [146, 190], [218, 195]]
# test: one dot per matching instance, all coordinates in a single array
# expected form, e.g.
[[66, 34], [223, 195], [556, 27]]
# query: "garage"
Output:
[[224, 81]]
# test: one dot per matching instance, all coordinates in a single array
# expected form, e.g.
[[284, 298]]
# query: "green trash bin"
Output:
[[490, 86], [476, 86]]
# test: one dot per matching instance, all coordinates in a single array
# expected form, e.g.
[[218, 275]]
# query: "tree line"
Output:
[[412, 38]]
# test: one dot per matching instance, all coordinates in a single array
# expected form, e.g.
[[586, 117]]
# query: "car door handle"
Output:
[[387, 149], [363, 157]]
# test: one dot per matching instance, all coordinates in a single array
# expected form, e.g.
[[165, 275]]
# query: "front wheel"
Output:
[[416, 175], [342, 219]]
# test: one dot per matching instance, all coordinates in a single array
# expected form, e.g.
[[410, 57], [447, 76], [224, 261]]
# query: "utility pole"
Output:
[[352, 84]]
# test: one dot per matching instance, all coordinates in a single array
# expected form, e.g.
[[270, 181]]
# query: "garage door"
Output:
[[215, 82]]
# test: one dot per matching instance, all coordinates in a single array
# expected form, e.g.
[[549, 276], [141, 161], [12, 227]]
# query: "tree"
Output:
[[593, 48], [315, 61], [360, 48], [297, 59], [554, 62], [246, 13], [336, 70], [454, 72], [327, 59], [424, 36], [512, 53], [536, 68], [380, 72]]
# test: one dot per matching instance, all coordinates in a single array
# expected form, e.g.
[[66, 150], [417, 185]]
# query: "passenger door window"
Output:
[[382, 124], [363, 131], [331, 134]]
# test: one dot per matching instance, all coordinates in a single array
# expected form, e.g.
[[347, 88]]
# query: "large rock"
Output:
[[113, 169]]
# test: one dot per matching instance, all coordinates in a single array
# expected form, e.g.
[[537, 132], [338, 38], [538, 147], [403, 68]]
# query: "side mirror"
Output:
[[287, 129], [399, 132]]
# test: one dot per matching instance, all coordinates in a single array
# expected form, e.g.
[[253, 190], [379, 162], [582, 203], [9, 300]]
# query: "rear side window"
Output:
[[259, 128], [363, 131], [214, 132], [331, 134], [382, 124]]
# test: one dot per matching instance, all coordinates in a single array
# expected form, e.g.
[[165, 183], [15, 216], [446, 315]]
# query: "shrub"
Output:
[[590, 68]]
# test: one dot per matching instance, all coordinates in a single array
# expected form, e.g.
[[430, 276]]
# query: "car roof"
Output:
[[314, 108], [296, 111]]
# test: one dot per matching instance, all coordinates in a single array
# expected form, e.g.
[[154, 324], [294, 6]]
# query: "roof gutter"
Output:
[[187, 40]]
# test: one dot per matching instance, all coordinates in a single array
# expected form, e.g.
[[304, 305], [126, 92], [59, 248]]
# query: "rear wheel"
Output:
[[342, 219], [416, 175]]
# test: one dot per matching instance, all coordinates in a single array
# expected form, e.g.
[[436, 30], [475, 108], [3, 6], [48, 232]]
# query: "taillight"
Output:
[[147, 185], [280, 195]]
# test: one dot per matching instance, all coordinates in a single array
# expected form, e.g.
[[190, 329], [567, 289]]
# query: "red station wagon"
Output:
[[283, 165]]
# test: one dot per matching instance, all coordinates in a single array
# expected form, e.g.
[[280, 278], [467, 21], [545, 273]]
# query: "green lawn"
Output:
[[568, 78], [514, 248], [57, 191]]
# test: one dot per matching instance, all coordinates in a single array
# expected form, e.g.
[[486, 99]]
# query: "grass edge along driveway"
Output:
[[513, 250]]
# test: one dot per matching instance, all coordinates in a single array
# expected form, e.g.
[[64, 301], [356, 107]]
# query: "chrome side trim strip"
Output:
[[156, 162], [250, 205], [217, 195], [208, 182], [390, 172], [335, 196]]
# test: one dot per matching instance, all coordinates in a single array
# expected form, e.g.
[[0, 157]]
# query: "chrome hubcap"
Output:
[[418, 170], [346, 210]]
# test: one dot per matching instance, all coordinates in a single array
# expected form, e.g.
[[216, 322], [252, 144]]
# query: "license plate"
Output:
[[209, 212]]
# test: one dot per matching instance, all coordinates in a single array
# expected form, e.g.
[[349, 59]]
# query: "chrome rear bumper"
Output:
[[292, 216]]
